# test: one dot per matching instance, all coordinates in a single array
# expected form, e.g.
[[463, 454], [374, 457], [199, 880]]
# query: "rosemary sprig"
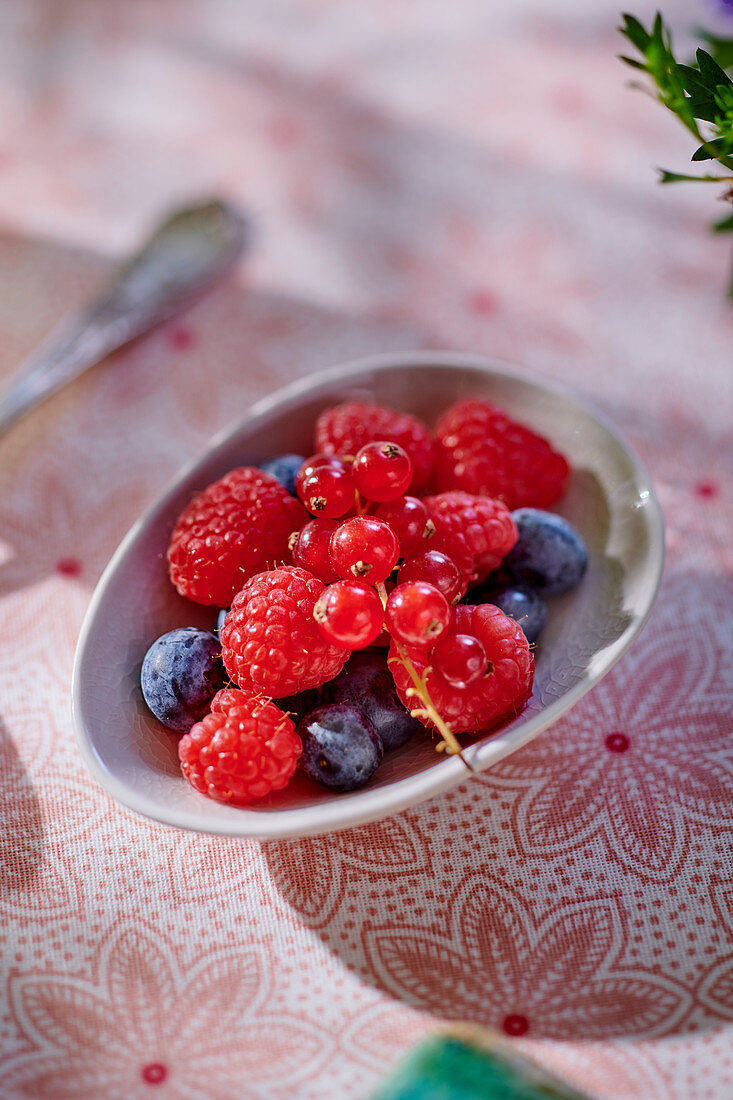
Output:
[[699, 94]]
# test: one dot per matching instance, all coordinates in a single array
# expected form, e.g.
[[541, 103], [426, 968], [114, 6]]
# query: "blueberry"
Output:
[[366, 682], [220, 621], [549, 556], [181, 673], [523, 605], [341, 748], [301, 704], [284, 468]]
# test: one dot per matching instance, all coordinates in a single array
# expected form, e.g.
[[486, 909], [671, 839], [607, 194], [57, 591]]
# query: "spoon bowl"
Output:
[[610, 500]]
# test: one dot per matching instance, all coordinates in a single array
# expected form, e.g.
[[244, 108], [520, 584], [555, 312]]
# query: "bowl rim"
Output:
[[360, 807]]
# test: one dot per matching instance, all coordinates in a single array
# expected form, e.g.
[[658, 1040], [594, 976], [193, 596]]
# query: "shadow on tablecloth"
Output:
[[22, 837], [573, 891]]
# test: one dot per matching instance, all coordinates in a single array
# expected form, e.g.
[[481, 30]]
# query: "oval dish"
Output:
[[610, 500]]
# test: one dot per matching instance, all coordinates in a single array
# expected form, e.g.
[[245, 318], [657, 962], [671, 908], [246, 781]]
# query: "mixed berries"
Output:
[[394, 581]]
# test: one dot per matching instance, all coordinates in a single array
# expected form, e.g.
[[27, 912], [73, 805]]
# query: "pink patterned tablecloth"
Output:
[[421, 174]]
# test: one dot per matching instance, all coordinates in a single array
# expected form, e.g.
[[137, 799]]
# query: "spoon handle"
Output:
[[187, 254]]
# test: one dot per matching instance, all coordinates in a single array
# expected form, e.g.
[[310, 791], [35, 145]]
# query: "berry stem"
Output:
[[449, 744]]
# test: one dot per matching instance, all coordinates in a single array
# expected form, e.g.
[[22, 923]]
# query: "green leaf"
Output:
[[724, 226], [711, 70], [678, 177], [634, 64], [713, 149], [635, 32], [703, 92], [721, 48], [724, 99], [692, 81], [703, 107]]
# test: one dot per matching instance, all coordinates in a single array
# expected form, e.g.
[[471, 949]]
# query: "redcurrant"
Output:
[[310, 547], [408, 517], [317, 462], [417, 614], [437, 569], [459, 659], [328, 493], [382, 471], [349, 613], [364, 547]]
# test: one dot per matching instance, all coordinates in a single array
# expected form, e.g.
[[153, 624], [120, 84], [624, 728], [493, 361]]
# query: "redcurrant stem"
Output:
[[382, 592], [428, 709]]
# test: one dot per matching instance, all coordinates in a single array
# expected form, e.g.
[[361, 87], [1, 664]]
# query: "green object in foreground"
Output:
[[446, 1067]]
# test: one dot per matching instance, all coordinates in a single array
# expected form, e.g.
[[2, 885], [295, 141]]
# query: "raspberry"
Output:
[[225, 698], [502, 692], [232, 530], [344, 429], [244, 749], [486, 524], [481, 450], [270, 640]]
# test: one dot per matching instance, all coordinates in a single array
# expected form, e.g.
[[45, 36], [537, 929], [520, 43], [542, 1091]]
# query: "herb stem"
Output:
[[428, 710]]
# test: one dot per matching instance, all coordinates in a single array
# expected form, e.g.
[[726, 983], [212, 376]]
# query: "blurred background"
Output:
[[418, 174]]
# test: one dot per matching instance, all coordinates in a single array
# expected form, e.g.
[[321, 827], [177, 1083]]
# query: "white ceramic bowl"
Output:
[[610, 500]]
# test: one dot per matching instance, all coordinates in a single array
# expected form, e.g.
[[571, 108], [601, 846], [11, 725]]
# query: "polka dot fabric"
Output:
[[578, 897]]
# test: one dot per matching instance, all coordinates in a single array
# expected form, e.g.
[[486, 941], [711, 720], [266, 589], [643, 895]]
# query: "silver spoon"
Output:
[[186, 255]]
